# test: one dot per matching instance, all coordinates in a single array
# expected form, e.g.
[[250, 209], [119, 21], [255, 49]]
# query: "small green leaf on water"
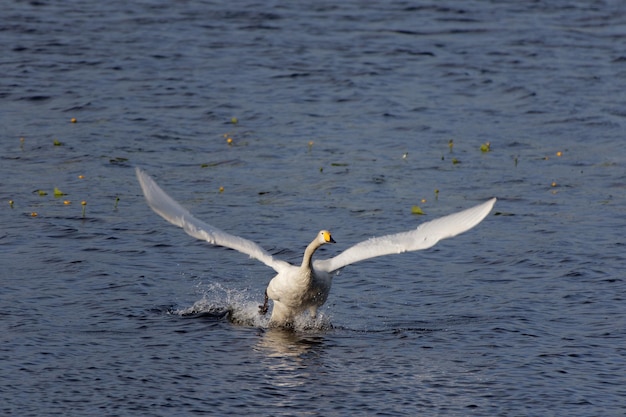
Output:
[[455, 161], [485, 147], [42, 192], [58, 193], [417, 210], [56, 142]]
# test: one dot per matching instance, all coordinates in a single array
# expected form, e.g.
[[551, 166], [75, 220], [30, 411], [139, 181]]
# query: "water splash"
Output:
[[240, 308]]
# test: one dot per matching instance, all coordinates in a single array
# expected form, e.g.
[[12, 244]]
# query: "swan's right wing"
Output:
[[426, 235], [174, 213]]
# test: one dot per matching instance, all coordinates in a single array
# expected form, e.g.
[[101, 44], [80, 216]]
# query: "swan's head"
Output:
[[324, 237]]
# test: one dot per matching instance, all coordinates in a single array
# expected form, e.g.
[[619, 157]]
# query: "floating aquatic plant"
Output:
[[11, 203], [73, 120], [58, 193], [234, 120], [451, 145], [56, 142], [41, 192], [84, 204], [417, 210], [485, 147], [117, 200]]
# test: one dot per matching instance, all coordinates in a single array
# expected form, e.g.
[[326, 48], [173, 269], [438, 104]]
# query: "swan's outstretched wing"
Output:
[[174, 213], [426, 235]]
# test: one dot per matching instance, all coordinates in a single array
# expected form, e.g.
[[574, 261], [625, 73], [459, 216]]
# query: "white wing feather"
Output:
[[426, 235], [174, 213]]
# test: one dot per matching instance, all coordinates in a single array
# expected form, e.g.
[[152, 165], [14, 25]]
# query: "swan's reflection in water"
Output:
[[293, 358], [279, 342]]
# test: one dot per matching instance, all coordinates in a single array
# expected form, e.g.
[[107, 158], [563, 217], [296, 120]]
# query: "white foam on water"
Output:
[[242, 308]]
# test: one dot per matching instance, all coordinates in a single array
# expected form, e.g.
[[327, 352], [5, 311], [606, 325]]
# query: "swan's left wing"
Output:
[[174, 213], [426, 235]]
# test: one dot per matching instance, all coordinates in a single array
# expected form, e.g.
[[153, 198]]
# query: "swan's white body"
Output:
[[296, 289]]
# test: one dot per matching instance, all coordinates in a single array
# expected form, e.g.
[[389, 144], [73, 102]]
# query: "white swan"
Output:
[[296, 289]]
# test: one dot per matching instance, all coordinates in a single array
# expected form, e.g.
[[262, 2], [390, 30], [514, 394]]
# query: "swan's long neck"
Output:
[[308, 254]]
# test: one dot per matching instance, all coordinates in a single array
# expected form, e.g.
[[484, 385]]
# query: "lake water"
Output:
[[345, 112]]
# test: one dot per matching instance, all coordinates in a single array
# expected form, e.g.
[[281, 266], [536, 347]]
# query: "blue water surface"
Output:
[[347, 115]]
